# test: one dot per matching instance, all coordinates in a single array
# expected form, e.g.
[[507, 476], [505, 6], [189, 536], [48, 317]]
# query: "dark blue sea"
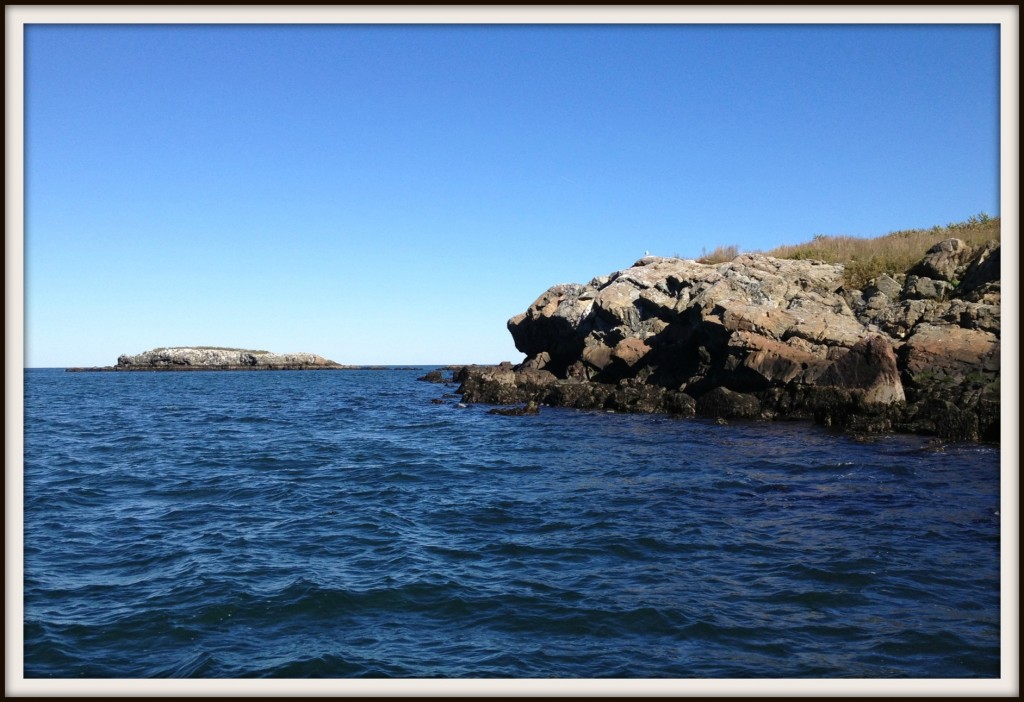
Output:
[[339, 524]]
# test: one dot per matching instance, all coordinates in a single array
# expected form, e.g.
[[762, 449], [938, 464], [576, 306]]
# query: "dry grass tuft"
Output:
[[868, 258], [722, 254]]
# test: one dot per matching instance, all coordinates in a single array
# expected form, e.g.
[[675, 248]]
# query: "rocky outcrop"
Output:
[[761, 337], [187, 358]]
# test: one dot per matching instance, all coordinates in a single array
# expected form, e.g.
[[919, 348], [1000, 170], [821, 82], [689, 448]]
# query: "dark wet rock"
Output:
[[722, 402], [679, 404], [636, 397], [529, 408], [434, 376]]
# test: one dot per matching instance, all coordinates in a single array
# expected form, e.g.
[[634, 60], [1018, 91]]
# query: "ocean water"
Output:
[[341, 525]]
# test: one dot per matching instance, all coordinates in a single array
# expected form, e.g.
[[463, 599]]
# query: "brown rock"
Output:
[[597, 354], [630, 350], [771, 362], [949, 351], [870, 368]]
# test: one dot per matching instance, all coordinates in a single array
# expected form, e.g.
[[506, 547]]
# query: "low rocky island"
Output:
[[760, 337], [198, 358]]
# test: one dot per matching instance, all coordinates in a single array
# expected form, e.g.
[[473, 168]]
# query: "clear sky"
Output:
[[393, 194]]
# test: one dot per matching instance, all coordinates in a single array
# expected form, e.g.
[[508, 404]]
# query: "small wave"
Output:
[[730, 485], [838, 574], [454, 553], [772, 487], [322, 666], [196, 666], [254, 419], [816, 599]]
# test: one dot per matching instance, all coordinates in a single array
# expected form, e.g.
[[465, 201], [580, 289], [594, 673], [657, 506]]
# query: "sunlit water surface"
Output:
[[340, 524]]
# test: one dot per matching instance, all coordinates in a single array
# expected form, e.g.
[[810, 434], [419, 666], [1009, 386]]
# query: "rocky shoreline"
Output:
[[767, 338]]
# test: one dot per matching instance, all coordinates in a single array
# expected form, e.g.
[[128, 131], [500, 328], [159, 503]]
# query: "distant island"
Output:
[[198, 358]]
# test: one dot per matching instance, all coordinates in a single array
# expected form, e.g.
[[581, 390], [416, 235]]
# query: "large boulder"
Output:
[[949, 354], [554, 324], [870, 369], [946, 261], [923, 288]]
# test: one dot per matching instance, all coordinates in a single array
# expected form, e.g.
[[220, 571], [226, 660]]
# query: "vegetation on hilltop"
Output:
[[211, 348], [868, 258]]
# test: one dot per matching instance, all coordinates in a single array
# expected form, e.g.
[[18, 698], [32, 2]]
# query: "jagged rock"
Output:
[[974, 315], [824, 320], [761, 362], [885, 284], [550, 324], [877, 302], [679, 403], [537, 362], [980, 282], [502, 384], [630, 350], [579, 394], [921, 288], [946, 261]]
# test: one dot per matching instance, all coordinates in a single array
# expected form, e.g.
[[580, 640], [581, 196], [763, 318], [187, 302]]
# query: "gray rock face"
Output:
[[203, 358], [766, 337], [981, 278], [945, 261], [885, 284], [922, 288]]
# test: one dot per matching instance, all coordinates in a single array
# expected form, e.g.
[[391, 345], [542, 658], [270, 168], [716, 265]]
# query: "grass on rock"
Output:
[[867, 258]]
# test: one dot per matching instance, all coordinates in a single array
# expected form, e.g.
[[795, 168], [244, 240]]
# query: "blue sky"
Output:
[[393, 194]]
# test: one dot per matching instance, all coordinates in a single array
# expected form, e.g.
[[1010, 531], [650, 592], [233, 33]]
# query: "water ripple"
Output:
[[342, 525]]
